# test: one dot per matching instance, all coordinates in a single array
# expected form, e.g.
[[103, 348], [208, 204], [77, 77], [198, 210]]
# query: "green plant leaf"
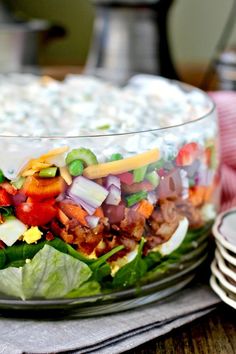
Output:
[[131, 273], [87, 289], [50, 274]]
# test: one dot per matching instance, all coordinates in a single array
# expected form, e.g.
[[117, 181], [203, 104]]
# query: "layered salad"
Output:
[[101, 188]]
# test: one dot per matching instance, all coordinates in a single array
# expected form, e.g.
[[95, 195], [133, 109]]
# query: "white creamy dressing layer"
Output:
[[32, 106]]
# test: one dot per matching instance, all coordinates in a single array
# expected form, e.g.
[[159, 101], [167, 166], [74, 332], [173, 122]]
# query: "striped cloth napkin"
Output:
[[226, 106]]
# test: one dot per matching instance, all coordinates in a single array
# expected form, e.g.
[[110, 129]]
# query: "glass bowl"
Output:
[[89, 221]]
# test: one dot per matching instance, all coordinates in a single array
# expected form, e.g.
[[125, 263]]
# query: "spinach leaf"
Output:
[[131, 273], [6, 211], [89, 288]]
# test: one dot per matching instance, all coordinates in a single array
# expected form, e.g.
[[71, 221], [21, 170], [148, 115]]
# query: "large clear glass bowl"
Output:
[[128, 231]]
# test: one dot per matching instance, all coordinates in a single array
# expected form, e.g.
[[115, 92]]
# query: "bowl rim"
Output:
[[183, 85], [221, 293], [221, 277], [223, 267], [225, 254], [215, 230]]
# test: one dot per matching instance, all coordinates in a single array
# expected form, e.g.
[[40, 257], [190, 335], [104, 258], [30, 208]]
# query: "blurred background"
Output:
[[62, 42]]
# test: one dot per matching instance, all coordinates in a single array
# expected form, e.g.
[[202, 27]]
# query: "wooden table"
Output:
[[214, 333]]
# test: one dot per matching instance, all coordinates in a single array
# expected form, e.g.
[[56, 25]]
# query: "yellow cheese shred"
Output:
[[121, 166]]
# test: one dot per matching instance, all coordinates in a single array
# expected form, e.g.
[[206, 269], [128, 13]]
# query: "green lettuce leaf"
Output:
[[11, 282], [50, 274]]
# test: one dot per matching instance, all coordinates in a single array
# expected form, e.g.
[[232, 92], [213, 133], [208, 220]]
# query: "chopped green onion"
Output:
[[153, 178], [116, 157], [139, 174], [156, 165], [2, 178], [6, 211], [85, 155], [18, 183], [76, 168], [135, 198], [104, 127], [48, 172]]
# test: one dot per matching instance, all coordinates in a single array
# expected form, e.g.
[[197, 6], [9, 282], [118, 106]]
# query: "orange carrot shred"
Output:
[[145, 208]]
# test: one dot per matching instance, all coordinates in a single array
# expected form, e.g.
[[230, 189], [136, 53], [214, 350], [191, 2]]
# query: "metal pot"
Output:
[[19, 45]]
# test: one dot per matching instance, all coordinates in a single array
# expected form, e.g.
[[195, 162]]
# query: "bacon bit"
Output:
[[49, 236], [9, 188], [1, 219], [68, 238], [186, 208], [55, 227], [87, 239], [2, 245], [169, 211], [133, 224]]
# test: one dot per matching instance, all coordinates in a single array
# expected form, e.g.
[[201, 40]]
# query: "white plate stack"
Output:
[[223, 267]]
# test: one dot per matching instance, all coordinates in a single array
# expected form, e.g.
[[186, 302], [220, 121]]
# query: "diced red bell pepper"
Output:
[[187, 154], [35, 213], [126, 177], [5, 198], [9, 188], [43, 188]]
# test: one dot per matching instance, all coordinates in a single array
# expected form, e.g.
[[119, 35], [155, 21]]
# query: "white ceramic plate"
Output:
[[216, 229], [225, 254], [221, 293], [223, 281], [223, 267]]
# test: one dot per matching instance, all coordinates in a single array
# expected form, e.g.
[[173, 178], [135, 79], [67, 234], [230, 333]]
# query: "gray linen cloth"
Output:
[[110, 334]]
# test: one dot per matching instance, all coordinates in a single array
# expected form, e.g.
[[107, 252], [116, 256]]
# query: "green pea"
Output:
[[115, 157], [48, 172], [76, 168], [2, 178]]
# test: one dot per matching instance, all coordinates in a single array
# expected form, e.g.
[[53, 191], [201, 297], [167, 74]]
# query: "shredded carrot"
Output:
[[145, 208], [200, 194], [99, 213], [74, 212]]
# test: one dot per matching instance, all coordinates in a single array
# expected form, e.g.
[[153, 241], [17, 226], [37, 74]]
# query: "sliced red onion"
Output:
[[170, 185], [126, 178], [114, 196], [73, 199], [185, 184], [114, 213], [89, 192], [205, 176], [60, 197], [152, 197], [19, 198], [90, 209], [92, 221], [112, 180]]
